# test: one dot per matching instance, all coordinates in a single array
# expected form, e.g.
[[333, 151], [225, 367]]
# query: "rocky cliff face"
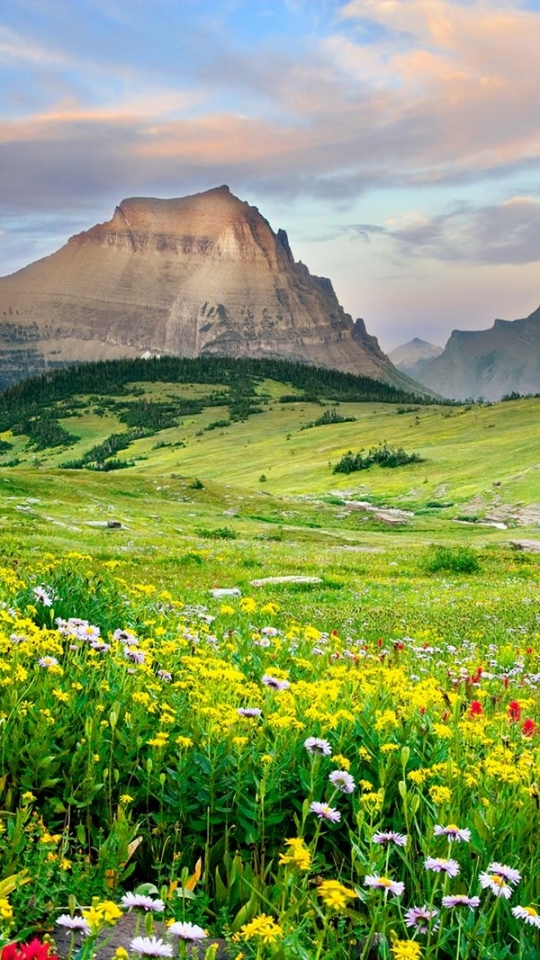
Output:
[[198, 275], [488, 363]]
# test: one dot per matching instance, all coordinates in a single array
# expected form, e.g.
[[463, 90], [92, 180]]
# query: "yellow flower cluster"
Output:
[[298, 855], [406, 950], [263, 928], [102, 913], [334, 895]]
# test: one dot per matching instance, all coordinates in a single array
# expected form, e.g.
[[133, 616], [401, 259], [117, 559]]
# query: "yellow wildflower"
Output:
[[263, 927], [184, 742], [386, 719], [271, 608], [442, 731], [160, 739], [101, 914], [341, 761], [61, 695], [440, 794], [334, 894], [298, 855], [248, 605], [6, 910], [406, 950]]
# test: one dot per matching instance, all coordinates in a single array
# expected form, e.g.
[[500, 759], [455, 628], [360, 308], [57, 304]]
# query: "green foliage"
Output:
[[43, 432], [454, 559], [217, 424], [383, 456], [96, 457], [332, 416], [218, 533], [329, 417]]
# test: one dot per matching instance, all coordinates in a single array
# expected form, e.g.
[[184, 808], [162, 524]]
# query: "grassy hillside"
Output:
[[227, 460]]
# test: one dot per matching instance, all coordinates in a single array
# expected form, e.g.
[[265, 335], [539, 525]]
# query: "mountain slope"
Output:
[[488, 363], [204, 274]]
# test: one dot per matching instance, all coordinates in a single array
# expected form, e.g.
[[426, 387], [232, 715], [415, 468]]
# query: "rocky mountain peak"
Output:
[[185, 276]]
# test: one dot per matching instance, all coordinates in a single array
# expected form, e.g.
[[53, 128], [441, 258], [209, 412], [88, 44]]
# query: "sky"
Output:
[[397, 141]]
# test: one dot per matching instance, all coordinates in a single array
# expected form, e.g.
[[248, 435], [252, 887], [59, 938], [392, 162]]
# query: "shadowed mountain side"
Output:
[[204, 274], [488, 363]]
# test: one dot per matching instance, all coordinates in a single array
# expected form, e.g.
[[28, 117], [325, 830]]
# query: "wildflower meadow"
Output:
[[231, 768]]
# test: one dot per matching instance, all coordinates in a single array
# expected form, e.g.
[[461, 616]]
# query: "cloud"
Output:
[[503, 233], [18, 48], [393, 93]]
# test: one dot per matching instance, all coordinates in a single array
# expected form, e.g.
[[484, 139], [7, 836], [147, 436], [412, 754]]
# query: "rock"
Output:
[[204, 274], [121, 935], [114, 523], [527, 546], [226, 592], [292, 579]]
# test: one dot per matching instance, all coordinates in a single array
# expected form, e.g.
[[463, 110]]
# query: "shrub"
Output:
[[455, 559]]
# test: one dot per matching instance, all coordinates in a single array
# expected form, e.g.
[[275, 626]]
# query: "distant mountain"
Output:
[[411, 357], [488, 363], [193, 276]]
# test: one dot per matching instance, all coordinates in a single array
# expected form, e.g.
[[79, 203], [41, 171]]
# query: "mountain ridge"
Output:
[[488, 364]]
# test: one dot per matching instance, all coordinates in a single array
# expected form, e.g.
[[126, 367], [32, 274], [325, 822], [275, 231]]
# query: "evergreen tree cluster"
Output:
[[382, 455]]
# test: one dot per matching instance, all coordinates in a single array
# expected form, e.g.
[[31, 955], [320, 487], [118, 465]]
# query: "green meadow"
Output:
[[237, 757]]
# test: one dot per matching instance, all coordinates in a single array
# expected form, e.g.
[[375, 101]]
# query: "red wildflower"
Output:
[[35, 950], [475, 709], [528, 728], [514, 711]]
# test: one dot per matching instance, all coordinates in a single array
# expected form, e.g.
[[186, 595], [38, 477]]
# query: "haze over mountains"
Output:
[[203, 274], [411, 357], [476, 364]]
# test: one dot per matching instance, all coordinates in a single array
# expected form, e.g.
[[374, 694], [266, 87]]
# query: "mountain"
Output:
[[488, 363], [204, 274], [411, 357]]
